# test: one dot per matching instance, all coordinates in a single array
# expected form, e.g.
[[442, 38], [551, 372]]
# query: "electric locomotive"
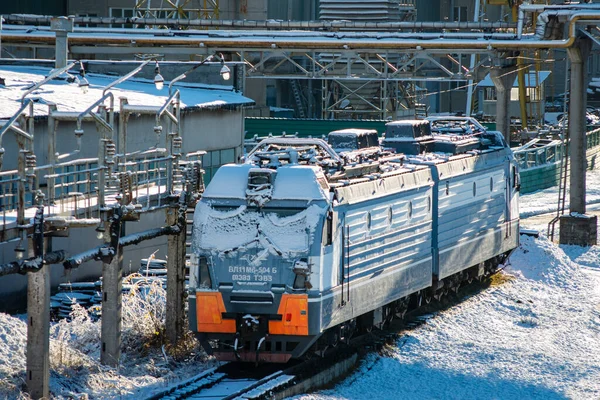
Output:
[[308, 241]]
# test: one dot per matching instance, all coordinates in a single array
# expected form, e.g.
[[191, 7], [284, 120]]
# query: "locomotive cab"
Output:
[[256, 230]]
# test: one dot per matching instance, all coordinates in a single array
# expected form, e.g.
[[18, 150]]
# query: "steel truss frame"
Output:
[[378, 85], [192, 9], [339, 57]]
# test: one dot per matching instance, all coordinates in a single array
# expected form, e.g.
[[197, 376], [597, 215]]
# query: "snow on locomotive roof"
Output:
[[295, 182], [69, 97], [353, 132], [409, 122], [300, 182], [230, 182]]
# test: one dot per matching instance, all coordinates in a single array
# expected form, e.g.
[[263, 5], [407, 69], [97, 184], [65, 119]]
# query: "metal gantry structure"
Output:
[[364, 69], [180, 9]]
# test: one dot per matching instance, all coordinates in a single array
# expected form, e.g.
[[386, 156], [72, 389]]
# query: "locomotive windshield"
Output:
[[282, 232]]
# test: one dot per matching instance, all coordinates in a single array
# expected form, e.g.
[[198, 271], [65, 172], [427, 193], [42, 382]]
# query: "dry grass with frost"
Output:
[[147, 360]]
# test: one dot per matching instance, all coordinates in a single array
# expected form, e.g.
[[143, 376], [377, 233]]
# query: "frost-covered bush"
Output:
[[13, 342], [75, 368], [144, 311]]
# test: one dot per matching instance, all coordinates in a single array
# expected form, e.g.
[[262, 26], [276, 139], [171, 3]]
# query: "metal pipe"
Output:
[[9, 124], [164, 109], [540, 29], [381, 42], [125, 77], [184, 75], [61, 222], [268, 24], [541, 7], [520, 22], [470, 87], [135, 238], [32, 264], [521, 67], [129, 240], [52, 75], [105, 95], [74, 152]]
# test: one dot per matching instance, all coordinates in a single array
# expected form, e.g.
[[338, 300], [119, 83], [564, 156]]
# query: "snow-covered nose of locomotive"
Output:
[[255, 230]]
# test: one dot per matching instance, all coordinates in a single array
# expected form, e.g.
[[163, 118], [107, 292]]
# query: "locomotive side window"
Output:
[[328, 229], [515, 179]]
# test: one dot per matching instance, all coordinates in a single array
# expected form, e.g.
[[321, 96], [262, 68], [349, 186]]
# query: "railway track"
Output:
[[269, 381], [230, 381]]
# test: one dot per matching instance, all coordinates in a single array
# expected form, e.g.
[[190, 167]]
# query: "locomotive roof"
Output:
[[295, 182], [414, 122], [295, 172], [353, 132]]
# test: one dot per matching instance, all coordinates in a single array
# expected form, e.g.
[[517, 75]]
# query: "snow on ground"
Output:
[[536, 336], [75, 354], [545, 201]]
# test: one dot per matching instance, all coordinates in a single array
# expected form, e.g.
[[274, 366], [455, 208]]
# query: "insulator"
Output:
[[111, 149], [126, 185], [30, 161], [177, 142], [158, 129]]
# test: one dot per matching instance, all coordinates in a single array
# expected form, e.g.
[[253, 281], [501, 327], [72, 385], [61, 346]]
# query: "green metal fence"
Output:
[[540, 161], [262, 126]]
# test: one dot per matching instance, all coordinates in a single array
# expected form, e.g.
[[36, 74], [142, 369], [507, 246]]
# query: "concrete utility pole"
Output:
[[175, 276], [38, 316], [578, 228], [503, 79], [112, 285]]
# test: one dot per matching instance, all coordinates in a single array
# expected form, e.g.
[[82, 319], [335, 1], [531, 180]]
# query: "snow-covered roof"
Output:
[[68, 96]]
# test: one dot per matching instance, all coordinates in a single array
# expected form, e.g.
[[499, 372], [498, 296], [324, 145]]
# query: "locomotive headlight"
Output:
[[302, 270]]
